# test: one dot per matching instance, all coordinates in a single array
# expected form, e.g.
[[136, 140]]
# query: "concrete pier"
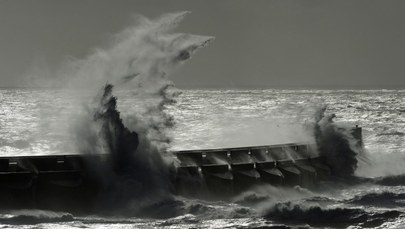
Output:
[[229, 171], [67, 181]]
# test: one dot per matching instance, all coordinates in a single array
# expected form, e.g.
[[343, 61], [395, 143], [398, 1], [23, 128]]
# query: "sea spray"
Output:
[[132, 169], [135, 176], [139, 60], [335, 144]]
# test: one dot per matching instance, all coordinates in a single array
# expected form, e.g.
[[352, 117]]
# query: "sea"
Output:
[[42, 122]]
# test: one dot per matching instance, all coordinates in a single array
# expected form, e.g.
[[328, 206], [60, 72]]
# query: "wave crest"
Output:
[[293, 213], [27, 217]]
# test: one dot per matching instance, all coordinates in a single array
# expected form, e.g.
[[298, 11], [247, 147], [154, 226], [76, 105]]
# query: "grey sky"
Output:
[[259, 43]]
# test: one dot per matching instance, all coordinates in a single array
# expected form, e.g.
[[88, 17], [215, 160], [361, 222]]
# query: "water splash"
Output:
[[138, 169], [335, 144]]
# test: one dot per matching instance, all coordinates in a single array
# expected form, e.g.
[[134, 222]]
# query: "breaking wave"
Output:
[[335, 144], [395, 180], [27, 217], [135, 169], [136, 177], [293, 213], [267, 194], [383, 199]]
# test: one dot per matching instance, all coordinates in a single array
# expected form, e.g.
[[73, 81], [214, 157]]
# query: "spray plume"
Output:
[[139, 166], [335, 144]]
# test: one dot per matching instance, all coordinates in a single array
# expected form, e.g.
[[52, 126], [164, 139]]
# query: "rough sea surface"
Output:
[[40, 121]]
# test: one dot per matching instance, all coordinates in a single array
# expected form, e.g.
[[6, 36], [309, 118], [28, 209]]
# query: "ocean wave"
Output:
[[321, 199], [27, 217], [180, 220], [383, 199], [216, 210], [294, 213], [136, 180], [173, 207], [252, 198], [395, 180], [265, 194]]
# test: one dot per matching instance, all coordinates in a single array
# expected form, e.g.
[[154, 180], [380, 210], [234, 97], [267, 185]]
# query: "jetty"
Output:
[[63, 181]]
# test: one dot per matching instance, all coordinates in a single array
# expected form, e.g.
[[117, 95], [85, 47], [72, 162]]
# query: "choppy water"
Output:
[[40, 122]]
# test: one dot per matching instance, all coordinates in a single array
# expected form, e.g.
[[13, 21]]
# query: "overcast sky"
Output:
[[259, 43]]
